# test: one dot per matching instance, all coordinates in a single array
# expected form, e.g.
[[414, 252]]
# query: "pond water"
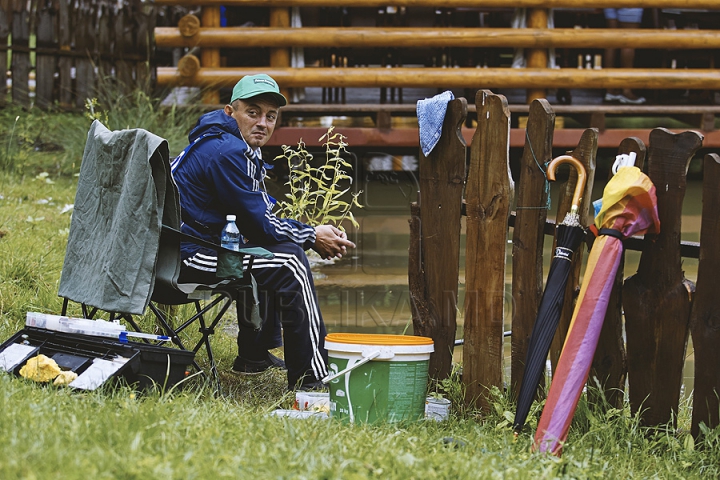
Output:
[[368, 290]]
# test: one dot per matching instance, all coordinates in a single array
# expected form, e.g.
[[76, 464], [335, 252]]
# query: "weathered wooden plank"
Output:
[[103, 39], [609, 365], [65, 62], [145, 18], [21, 54], [45, 61], [705, 318], [657, 298], [488, 195], [528, 236], [122, 25], [5, 20], [585, 151], [84, 45], [433, 269]]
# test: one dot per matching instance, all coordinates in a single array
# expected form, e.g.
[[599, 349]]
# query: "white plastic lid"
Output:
[[230, 218]]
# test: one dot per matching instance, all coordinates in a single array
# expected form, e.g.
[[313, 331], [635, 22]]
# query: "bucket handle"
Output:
[[363, 361]]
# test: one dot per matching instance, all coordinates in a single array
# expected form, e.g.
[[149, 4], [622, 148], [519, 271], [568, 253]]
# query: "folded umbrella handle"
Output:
[[582, 177]]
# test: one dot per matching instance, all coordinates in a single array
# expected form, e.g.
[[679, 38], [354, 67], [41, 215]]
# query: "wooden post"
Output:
[[586, 152], [610, 362], [705, 321], [210, 57], [657, 298], [488, 195], [21, 54], [536, 57], [434, 259], [280, 57], [528, 234]]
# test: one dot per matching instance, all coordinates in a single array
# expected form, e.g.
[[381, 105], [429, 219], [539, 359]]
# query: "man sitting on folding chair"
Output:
[[222, 172]]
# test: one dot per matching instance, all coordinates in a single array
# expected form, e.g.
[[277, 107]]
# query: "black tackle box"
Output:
[[97, 360]]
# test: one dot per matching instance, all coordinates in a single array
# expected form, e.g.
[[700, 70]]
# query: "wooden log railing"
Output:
[[702, 79], [399, 37], [536, 39]]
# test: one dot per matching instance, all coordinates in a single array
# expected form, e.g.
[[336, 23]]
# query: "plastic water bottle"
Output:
[[230, 235]]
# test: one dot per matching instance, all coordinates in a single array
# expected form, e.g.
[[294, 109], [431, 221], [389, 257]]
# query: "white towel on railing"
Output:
[[431, 115]]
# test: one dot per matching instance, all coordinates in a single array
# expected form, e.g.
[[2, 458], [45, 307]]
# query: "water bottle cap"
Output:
[[230, 218]]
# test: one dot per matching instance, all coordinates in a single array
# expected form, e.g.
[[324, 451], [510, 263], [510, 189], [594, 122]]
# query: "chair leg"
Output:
[[205, 329]]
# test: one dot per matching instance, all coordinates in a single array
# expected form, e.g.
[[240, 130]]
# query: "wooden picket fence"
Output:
[[77, 43], [661, 308]]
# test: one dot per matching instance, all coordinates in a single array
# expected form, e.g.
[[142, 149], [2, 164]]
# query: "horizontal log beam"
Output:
[[690, 4], [371, 37], [408, 137], [409, 109], [701, 79]]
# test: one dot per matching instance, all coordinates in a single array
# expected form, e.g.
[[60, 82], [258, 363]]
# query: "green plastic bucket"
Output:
[[377, 377]]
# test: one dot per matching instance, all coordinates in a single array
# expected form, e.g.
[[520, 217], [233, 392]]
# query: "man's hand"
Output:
[[331, 242]]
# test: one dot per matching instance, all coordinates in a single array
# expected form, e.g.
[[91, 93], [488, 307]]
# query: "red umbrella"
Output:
[[629, 207]]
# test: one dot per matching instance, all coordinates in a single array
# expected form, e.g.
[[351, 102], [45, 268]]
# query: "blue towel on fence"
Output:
[[431, 115]]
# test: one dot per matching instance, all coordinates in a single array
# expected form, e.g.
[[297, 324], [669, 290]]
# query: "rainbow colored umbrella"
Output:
[[629, 207]]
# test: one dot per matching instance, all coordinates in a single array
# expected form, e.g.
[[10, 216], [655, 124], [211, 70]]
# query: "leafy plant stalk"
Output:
[[316, 193]]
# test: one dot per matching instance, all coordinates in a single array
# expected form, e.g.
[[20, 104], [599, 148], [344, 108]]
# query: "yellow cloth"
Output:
[[65, 377], [40, 369]]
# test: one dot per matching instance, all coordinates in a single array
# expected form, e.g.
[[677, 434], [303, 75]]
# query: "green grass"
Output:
[[50, 432]]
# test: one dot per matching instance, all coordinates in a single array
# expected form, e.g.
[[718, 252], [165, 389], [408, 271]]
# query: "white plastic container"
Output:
[[437, 409], [81, 326]]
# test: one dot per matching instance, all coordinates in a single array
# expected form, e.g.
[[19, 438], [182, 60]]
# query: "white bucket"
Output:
[[377, 377]]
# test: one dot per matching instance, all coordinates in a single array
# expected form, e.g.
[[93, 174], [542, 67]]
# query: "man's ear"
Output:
[[228, 110]]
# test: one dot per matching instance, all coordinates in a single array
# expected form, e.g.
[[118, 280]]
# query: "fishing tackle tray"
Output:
[[98, 360]]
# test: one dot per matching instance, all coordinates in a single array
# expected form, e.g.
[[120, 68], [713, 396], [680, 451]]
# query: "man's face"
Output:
[[256, 119]]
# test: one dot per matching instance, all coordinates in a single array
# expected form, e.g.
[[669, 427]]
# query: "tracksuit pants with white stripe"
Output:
[[290, 310]]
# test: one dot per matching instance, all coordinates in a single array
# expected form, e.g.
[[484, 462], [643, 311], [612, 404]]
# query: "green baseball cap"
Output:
[[252, 85]]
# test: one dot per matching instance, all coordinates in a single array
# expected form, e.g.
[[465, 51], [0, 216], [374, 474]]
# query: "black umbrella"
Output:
[[568, 235]]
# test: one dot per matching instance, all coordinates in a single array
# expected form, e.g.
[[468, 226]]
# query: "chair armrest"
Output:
[[258, 252]]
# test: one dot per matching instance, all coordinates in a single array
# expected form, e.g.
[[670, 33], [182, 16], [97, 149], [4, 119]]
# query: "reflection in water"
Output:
[[368, 291]]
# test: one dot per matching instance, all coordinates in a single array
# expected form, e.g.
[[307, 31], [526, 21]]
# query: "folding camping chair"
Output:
[[123, 251]]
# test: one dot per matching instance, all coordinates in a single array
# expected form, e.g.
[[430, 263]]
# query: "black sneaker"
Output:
[[244, 366], [312, 386]]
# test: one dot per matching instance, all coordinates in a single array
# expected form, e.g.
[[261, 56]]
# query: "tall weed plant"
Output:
[[318, 194]]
